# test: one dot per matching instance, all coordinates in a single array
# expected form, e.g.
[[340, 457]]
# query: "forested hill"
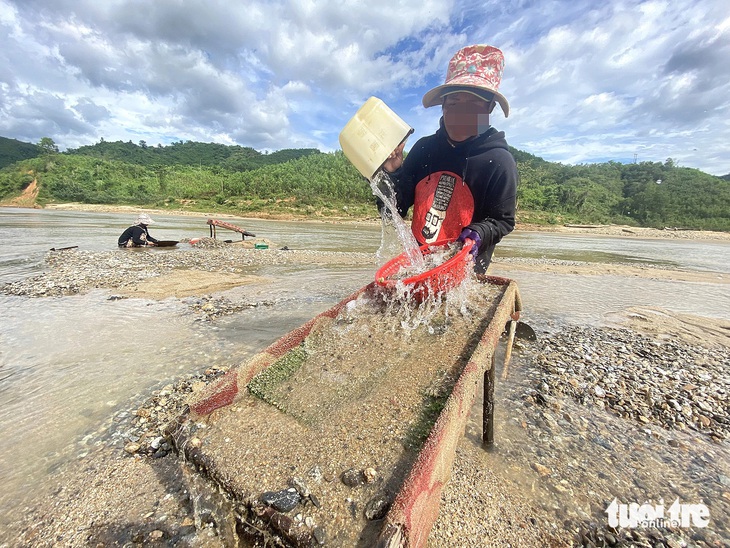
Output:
[[190, 153], [12, 150], [306, 182]]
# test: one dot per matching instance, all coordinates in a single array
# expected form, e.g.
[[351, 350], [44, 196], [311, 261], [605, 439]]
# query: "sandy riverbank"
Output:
[[133, 211]]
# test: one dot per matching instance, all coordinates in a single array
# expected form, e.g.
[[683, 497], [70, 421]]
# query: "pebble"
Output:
[[300, 487], [320, 535], [370, 475], [377, 507], [283, 501], [132, 448], [315, 474], [144, 430], [352, 477]]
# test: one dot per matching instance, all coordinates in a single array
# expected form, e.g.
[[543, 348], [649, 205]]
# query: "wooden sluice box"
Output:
[[343, 432]]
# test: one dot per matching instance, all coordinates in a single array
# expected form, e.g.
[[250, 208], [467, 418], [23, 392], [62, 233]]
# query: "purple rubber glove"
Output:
[[469, 234]]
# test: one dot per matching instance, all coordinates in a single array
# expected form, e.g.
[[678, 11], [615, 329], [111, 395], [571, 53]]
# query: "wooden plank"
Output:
[[215, 222]]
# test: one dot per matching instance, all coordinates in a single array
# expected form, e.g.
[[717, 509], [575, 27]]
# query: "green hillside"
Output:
[[12, 150], [308, 183], [190, 153]]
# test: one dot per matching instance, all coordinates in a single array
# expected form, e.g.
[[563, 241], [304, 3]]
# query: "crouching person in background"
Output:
[[137, 235]]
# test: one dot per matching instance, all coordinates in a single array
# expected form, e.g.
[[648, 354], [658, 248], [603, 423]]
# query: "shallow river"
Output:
[[68, 364]]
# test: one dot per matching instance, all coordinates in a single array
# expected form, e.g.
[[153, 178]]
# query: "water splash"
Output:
[[435, 311], [382, 187]]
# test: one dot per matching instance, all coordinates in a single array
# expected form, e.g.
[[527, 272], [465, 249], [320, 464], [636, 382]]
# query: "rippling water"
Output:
[[67, 364]]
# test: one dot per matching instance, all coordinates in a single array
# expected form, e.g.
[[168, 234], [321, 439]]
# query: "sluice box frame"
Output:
[[415, 507]]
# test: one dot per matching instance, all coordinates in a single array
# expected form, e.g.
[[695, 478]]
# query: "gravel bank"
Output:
[[667, 383], [601, 414], [211, 265], [586, 416], [227, 265]]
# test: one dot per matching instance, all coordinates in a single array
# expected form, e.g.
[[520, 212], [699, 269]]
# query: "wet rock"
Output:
[[283, 501], [320, 535], [160, 453], [352, 477], [142, 412], [641, 378], [377, 507], [672, 390], [156, 442]]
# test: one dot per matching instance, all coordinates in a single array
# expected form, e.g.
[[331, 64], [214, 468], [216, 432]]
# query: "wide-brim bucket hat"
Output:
[[143, 219], [474, 69]]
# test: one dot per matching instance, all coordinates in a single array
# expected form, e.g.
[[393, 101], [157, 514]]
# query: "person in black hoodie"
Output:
[[462, 180], [137, 235]]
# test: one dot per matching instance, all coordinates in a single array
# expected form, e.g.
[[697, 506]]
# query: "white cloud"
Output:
[[586, 82]]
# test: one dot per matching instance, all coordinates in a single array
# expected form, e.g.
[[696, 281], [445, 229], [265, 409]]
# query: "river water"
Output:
[[68, 364]]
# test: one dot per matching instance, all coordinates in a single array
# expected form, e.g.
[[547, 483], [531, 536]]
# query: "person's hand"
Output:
[[151, 244], [395, 159], [473, 235]]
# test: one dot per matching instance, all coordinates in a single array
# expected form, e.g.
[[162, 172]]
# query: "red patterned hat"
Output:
[[474, 69]]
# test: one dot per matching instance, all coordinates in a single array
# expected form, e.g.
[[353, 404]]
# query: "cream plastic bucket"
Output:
[[371, 135]]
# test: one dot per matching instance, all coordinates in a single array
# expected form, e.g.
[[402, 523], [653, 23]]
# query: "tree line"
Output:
[[235, 179]]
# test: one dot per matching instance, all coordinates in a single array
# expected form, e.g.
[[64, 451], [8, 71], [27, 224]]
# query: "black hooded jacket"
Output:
[[435, 172], [137, 234]]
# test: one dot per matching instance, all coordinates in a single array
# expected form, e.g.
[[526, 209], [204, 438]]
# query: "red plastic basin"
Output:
[[438, 280]]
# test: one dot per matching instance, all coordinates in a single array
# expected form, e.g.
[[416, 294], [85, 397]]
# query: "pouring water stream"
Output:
[[382, 187]]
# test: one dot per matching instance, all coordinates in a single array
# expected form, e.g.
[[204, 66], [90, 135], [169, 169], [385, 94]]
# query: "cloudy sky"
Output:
[[587, 81]]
